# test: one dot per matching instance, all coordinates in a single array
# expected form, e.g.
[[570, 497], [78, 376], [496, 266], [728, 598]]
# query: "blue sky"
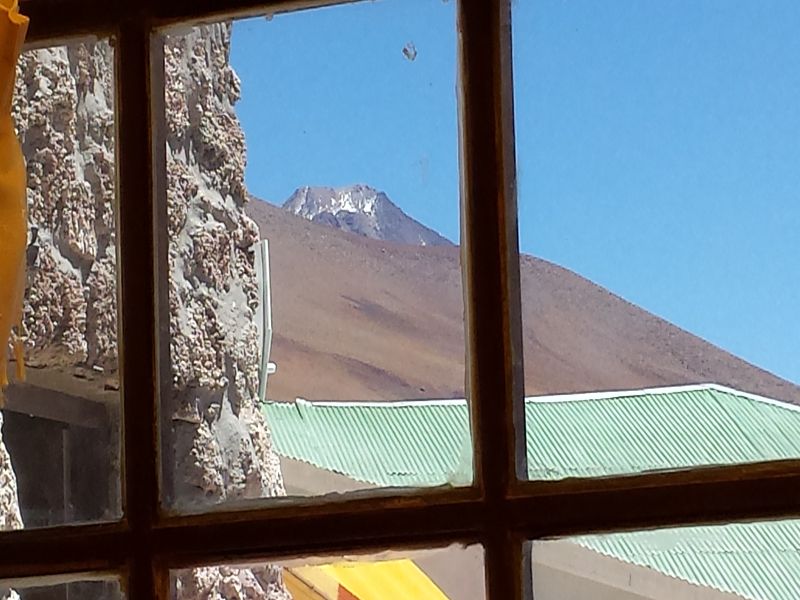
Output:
[[658, 142]]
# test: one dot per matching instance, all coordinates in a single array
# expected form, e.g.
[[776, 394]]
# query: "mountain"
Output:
[[362, 210], [365, 319]]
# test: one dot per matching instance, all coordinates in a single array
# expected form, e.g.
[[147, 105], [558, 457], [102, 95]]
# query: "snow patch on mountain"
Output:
[[362, 210]]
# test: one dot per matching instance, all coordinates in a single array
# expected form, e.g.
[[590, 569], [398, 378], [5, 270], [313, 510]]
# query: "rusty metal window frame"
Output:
[[500, 511]]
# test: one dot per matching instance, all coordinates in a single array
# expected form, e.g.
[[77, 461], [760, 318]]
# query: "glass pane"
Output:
[[657, 150], [59, 451], [83, 587], [723, 562], [454, 573], [341, 154]]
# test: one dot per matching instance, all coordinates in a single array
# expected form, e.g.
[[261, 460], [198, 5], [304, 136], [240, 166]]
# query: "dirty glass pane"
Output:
[[315, 309], [721, 562], [657, 148], [82, 587], [451, 573], [59, 450]]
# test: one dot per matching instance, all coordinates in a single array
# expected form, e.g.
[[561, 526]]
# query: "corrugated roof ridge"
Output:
[[370, 403], [660, 391], [756, 397], [629, 393], [567, 396], [547, 398]]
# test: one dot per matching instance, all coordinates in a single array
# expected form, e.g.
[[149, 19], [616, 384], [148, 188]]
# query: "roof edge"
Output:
[[756, 397], [361, 403], [662, 390], [550, 398]]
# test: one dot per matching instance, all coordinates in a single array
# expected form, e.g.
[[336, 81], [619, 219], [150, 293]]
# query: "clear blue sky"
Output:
[[658, 142]]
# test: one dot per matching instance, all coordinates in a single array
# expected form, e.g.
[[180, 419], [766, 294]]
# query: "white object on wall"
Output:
[[264, 317]]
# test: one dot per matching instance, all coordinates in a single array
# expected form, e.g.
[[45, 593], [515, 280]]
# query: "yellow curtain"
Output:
[[382, 580]]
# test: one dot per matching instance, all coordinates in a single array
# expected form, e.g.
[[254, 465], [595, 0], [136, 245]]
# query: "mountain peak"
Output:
[[362, 210]]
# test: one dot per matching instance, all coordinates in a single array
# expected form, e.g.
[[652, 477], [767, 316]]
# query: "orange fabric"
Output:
[[345, 595], [13, 202]]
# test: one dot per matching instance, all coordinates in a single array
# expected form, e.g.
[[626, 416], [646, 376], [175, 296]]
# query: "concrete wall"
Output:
[[553, 584], [566, 571]]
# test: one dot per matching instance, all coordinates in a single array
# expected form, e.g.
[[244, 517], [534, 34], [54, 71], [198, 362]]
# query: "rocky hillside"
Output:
[[365, 319], [362, 210]]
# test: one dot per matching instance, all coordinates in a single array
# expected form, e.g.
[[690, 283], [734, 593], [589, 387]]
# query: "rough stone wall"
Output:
[[10, 517], [223, 448], [226, 583], [220, 444], [65, 120]]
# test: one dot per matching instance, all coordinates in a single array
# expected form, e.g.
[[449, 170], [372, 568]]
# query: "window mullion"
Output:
[[52, 22], [694, 496], [490, 258], [138, 315], [67, 549], [364, 525]]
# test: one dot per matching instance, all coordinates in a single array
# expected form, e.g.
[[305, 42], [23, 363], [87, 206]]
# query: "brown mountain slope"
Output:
[[362, 319]]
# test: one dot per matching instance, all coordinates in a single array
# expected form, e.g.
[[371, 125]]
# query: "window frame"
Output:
[[501, 511]]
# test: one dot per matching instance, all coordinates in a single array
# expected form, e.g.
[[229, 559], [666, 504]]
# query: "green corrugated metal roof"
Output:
[[428, 442], [399, 444], [760, 561], [596, 435]]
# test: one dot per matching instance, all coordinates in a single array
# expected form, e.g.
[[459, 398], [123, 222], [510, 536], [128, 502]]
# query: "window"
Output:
[[61, 426], [347, 296], [499, 512]]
